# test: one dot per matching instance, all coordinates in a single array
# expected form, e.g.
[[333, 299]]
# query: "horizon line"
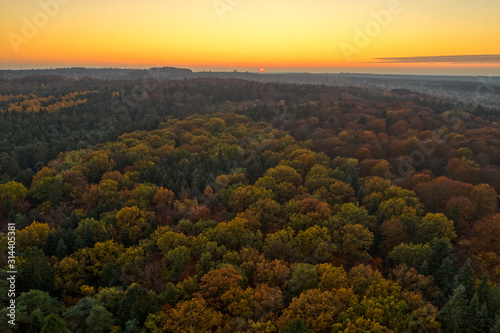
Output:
[[249, 72], [456, 59]]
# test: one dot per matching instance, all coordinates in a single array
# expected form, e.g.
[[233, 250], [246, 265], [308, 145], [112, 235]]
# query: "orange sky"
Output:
[[279, 35]]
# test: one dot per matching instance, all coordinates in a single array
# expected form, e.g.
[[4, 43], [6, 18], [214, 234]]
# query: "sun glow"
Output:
[[211, 34]]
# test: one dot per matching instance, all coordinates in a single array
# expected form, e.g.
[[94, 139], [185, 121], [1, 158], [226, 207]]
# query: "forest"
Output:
[[225, 205]]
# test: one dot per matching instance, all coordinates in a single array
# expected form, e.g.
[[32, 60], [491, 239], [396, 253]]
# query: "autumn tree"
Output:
[[12, 193], [485, 199], [434, 226], [319, 309], [192, 315], [217, 282], [134, 221], [355, 240]]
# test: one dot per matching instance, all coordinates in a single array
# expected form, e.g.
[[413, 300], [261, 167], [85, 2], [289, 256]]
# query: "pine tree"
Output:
[[484, 289], [455, 311], [465, 277], [477, 316], [88, 237], [110, 276], [373, 206], [256, 169], [35, 272], [132, 326], [50, 244], [36, 322], [137, 303], [424, 268], [62, 249], [198, 183], [151, 228], [496, 326], [126, 241], [360, 195], [443, 276], [72, 221], [486, 296], [54, 324], [69, 240], [296, 326], [440, 250], [454, 215]]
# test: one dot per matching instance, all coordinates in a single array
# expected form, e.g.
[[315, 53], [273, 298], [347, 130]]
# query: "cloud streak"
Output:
[[478, 58]]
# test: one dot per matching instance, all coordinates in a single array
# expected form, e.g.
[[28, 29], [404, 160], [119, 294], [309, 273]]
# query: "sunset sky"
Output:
[[377, 36]]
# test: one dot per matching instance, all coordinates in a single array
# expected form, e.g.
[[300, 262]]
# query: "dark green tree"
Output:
[[38, 300], [126, 241], [50, 244], [110, 276], [138, 303], [304, 277], [99, 320], [77, 315], [54, 324], [132, 326], [36, 322], [35, 272], [454, 313], [465, 277], [296, 326], [62, 249], [496, 325], [477, 315]]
